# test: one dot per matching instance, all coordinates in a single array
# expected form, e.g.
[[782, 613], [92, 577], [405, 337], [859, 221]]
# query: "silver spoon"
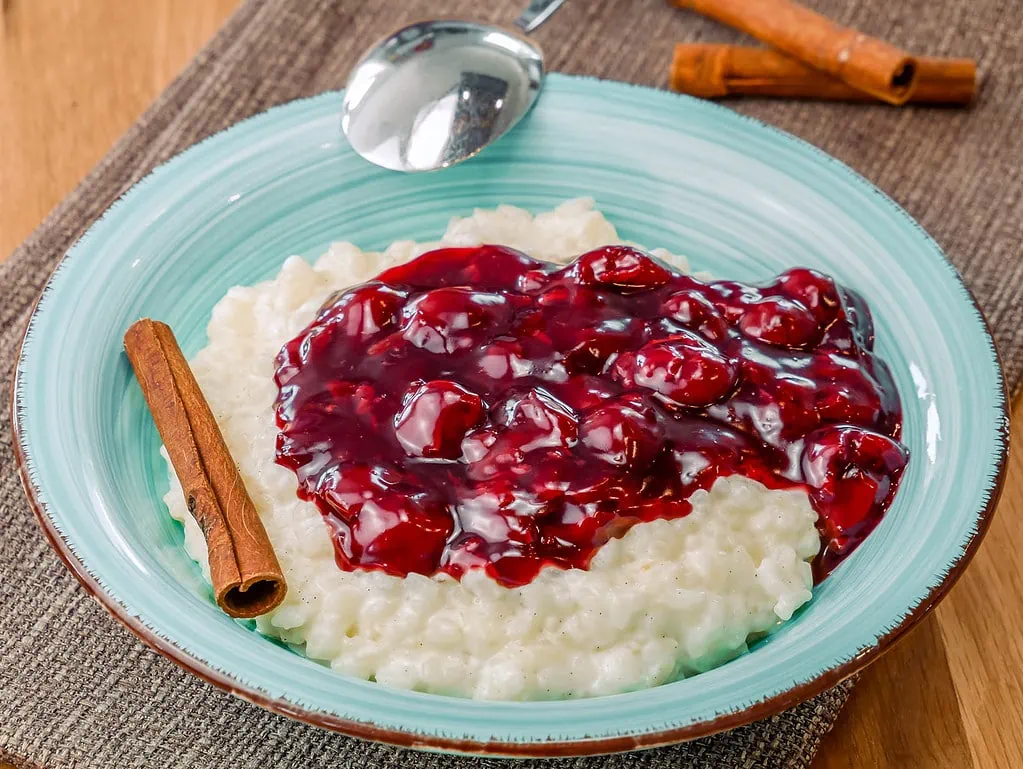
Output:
[[435, 93]]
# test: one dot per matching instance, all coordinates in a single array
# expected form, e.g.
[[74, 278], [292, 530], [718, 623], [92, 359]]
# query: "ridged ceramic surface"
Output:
[[741, 200]]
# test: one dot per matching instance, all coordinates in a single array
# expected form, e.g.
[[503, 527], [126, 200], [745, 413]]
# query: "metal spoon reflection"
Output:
[[435, 93]]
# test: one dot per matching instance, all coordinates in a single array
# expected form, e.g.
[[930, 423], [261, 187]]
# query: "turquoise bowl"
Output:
[[740, 199]]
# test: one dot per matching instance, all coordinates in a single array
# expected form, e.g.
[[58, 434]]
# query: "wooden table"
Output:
[[75, 74]]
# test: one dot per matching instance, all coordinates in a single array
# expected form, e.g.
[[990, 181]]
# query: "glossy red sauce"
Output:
[[476, 408]]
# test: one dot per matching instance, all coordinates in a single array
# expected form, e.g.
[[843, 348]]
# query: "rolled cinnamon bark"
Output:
[[863, 62], [712, 70], [247, 579]]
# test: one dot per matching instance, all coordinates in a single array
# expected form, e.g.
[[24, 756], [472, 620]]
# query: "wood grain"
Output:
[[904, 712], [74, 74], [951, 694]]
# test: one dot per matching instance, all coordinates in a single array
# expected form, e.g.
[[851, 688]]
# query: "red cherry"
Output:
[[703, 451], [389, 348], [533, 281], [781, 322], [597, 344], [435, 418], [848, 403], [625, 433], [538, 409], [852, 473], [489, 268], [695, 311], [816, 292], [576, 528], [477, 442], [289, 363], [498, 530], [379, 521], [773, 402], [363, 311], [505, 360], [319, 340], [560, 293], [854, 390], [558, 476], [445, 320], [696, 469], [585, 391], [623, 370], [359, 313], [490, 453], [683, 369], [731, 298], [352, 405], [525, 422], [622, 268], [565, 293]]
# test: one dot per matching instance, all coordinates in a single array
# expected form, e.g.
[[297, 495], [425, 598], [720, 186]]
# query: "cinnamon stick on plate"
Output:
[[711, 70], [247, 579], [865, 63]]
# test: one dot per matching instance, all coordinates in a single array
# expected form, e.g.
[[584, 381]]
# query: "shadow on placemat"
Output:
[[76, 690]]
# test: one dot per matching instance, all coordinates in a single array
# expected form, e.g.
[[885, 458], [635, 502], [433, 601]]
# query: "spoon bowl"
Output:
[[435, 93]]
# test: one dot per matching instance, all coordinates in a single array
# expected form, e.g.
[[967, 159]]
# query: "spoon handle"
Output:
[[536, 13]]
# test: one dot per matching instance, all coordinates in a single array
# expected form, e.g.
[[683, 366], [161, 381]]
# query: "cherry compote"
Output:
[[476, 408]]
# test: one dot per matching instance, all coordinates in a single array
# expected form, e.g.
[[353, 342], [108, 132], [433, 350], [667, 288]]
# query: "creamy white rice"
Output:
[[669, 599]]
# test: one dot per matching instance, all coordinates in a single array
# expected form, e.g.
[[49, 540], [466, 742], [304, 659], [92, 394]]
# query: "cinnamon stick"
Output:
[[865, 63], [712, 70], [247, 579]]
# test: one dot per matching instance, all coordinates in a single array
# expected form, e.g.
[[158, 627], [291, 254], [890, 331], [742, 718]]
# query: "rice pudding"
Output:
[[492, 478]]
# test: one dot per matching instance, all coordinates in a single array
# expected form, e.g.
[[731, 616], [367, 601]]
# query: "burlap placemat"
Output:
[[77, 690]]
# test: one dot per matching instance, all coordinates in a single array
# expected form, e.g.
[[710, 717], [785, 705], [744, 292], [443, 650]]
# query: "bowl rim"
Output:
[[525, 749]]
